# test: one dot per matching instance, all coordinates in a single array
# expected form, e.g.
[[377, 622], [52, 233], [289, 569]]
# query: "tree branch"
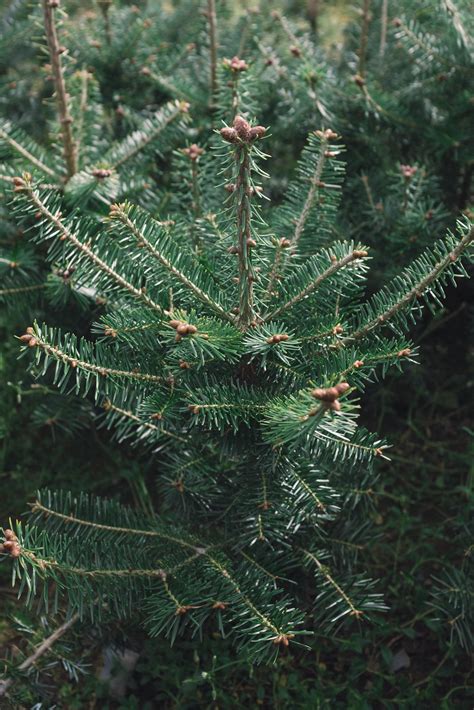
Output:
[[65, 117]]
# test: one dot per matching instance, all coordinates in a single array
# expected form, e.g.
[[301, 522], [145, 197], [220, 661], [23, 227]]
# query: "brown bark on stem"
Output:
[[65, 117]]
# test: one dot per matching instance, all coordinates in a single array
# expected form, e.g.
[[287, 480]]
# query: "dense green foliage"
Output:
[[215, 318]]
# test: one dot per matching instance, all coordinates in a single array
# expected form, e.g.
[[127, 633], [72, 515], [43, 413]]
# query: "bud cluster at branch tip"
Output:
[[193, 152], [10, 546], [182, 329], [236, 65], [330, 395], [242, 132], [29, 338]]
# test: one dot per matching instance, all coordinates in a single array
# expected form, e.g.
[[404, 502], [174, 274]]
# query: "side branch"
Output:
[[67, 235], [312, 192], [212, 20], [74, 362], [39, 651], [416, 292], [25, 154], [117, 212], [65, 117], [334, 268]]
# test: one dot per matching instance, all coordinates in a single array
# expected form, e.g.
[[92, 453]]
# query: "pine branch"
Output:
[[212, 21], [314, 285], [25, 154], [315, 185], [76, 362], [364, 36], [415, 292], [148, 132], [39, 651], [65, 117], [120, 213], [25, 186]]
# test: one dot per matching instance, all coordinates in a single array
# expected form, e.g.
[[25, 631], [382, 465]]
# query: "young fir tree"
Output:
[[236, 355]]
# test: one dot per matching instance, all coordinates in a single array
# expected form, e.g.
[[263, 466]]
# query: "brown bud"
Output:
[[193, 408], [329, 394], [146, 71], [359, 254], [233, 250], [61, 50], [18, 182], [404, 353], [192, 329], [342, 387], [396, 22], [335, 406], [359, 80], [219, 605], [16, 550], [230, 187], [242, 128], [174, 323], [184, 365], [101, 173], [182, 329], [157, 416], [257, 132], [9, 534], [25, 338], [229, 135], [236, 65], [338, 329], [251, 243], [296, 51], [193, 152], [32, 342], [284, 243], [358, 363]]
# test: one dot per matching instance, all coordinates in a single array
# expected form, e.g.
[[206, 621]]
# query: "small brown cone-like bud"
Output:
[[230, 187], [284, 243], [174, 323], [16, 550], [257, 132], [342, 387], [9, 534], [25, 338], [338, 329], [229, 135], [101, 173], [32, 343], [182, 329], [296, 51], [358, 363], [192, 329], [193, 408], [242, 128], [359, 80], [18, 182], [219, 605], [251, 243], [236, 65], [335, 406], [193, 152], [404, 353], [359, 254], [233, 250], [184, 365], [145, 71]]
